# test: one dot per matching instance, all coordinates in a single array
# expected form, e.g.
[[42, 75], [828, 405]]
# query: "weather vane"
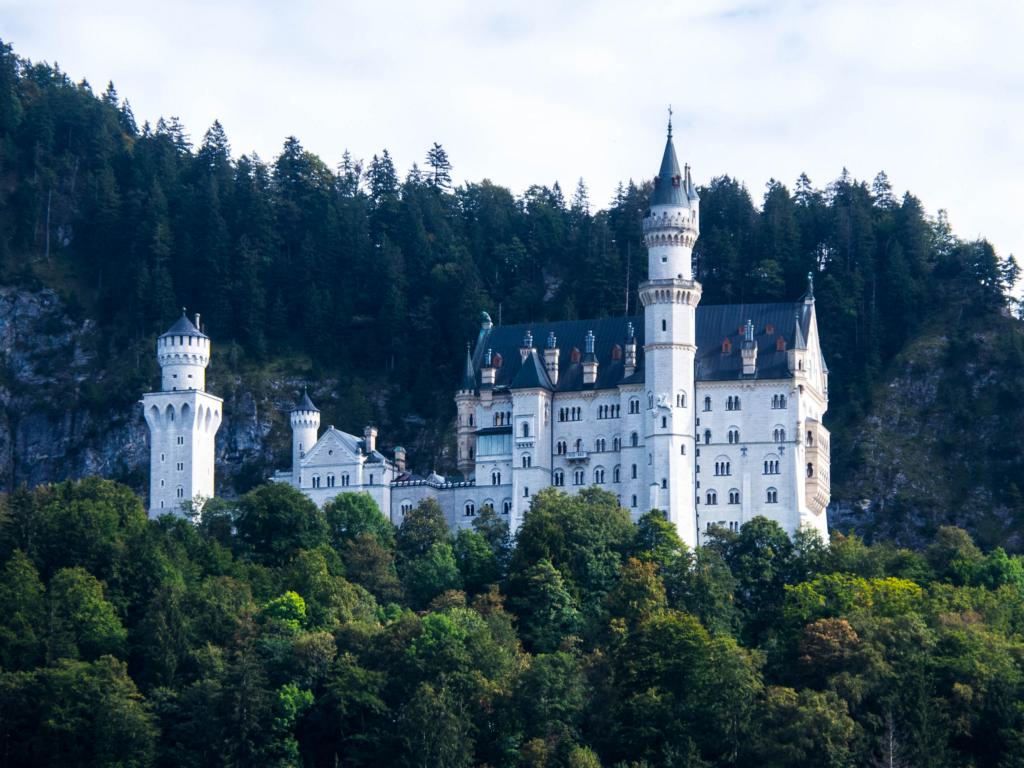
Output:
[[670, 121]]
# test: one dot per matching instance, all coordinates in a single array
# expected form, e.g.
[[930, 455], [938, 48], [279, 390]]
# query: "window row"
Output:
[[732, 402], [711, 497], [501, 419], [579, 476], [330, 480]]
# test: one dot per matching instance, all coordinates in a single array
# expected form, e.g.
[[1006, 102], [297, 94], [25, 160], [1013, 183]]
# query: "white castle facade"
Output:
[[711, 414]]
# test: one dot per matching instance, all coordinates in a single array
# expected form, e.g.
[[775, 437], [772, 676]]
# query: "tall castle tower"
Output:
[[670, 296], [183, 421]]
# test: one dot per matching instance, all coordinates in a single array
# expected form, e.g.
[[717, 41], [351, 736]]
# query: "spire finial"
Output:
[[810, 285], [184, 312], [670, 121]]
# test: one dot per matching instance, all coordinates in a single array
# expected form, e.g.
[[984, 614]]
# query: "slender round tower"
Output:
[[670, 296], [305, 420]]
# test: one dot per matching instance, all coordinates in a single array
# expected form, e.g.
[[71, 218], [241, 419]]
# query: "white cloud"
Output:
[[931, 92]]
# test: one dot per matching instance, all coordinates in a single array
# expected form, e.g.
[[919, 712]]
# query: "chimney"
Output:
[[488, 373], [524, 351], [589, 360], [551, 358], [370, 439], [630, 365], [400, 458], [749, 351]]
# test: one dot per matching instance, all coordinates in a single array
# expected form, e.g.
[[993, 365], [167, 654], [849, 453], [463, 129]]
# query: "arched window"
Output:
[[495, 478], [681, 400], [181, 492], [723, 466], [707, 403], [712, 498], [561, 447], [599, 445], [664, 325], [558, 478], [526, 429], [707, 436], [664, 482], [779, 434], [632, 501], [616, 443], [617, 474], [506, 506], [664, 422], [734, 435], [650, 400], [316, 481], [526, 461], [634, 439], [470, 509], [772, 496], [634, 405], [579, 445], [330, 479], [406, 507], [771, 465], [577, 477], [734, 496], [599, 476], [344, 479], [810, 470]]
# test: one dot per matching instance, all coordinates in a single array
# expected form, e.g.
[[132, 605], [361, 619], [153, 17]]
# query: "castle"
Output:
[[711, 414]]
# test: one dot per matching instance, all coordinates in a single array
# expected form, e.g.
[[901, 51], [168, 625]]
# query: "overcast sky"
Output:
[[532, 92]]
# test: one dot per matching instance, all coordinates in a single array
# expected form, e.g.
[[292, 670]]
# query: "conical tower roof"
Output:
[[468, 373], [668, 186], [183, 327], [304, 403]]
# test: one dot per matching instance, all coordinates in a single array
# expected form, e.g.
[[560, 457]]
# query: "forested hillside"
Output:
[[366, 281], [277, 634]]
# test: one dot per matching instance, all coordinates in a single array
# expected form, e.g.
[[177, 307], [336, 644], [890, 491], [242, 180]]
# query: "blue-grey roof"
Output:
[[531, 374], [668, 186], [183, 327], [715, 324], [305, 404]]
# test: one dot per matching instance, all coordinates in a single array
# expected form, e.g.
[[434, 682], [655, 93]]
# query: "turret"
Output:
[[399, 458], [551, 358], [465, 405], [183, 352], [305, 421], [749, 350], [589, 360]]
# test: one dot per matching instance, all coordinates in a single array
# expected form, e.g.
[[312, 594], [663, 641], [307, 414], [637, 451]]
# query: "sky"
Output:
[[930, 91]]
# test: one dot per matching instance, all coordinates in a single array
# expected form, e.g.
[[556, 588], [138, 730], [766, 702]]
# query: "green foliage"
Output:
[[216, 645], [350, 515], [275, 520], [82, 623]]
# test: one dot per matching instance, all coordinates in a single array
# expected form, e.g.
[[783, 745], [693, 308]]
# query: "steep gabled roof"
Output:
[[531, 374], [668, 186]]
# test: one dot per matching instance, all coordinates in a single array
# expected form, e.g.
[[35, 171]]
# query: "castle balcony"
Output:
[[577, 456]]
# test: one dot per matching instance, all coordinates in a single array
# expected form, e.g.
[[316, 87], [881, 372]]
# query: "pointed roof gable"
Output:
[[531, 374]]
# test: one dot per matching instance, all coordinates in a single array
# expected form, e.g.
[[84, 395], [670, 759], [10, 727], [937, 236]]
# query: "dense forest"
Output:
[[273, 633]]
